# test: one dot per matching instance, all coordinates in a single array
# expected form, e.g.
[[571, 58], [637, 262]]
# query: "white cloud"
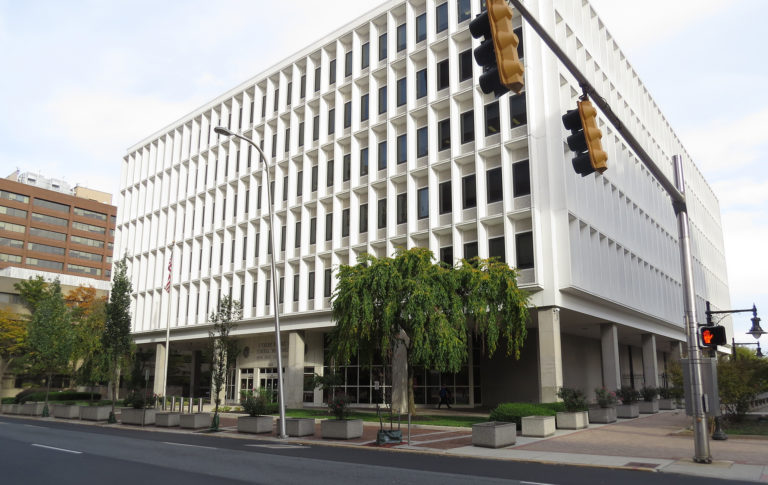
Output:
[[742, 193]]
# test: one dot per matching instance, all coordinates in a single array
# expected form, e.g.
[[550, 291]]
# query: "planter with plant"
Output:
[[138, 414], [649, 404], [341, 428], [575, 415], [605, 412], [95, 413], [66, 411], [257, 407], [628, 408], [666, 400]]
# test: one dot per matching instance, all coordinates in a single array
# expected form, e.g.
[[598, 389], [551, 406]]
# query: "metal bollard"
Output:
[[199, 404], [173, 403], [189, 408], [181, 404]]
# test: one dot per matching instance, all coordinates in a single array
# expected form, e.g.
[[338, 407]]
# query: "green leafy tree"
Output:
[[51, 337], [31, 292], [116, 339], [13, 340], [223, 348], [740, 378], [89, 314]]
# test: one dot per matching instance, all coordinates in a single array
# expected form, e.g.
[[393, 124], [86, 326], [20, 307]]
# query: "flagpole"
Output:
[[167, 327]]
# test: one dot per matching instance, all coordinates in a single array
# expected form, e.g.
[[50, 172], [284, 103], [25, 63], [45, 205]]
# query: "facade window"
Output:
[[41, 263], [331, 121], [315, 127], [421, 84], [327, 283], [446, 255], [465, 65], [12, 243], [517, 110], [301, 134], [382, 99], [443, 77], [287, 139], [422, 203], [276, 99], [464, 10], [421, 142], [402, 149], [313, 230], [444, 134], [302, 87], [83, 241], [364, 107], [446, 204], [4, 194], [524, 250], [288, 93], [332, 72], [382, 155], [253, 109], [365, 55], [317, 79], [263, 111], [281, 290], [90, 214], [441, 14], [274, 154], [363, 218], [521, 179], [285, 189], [348, 64], [345, 223], [470, 250], [296, 287], [401, 37], [11, 258], [468, 126], [421, 27], [329, 226], [34, 231], [314, 178], [346, 167], [364, 161], [329, 174], [297, 235], [46, 219], [519, 34], [402, 208], [492, 123], [383, 46], [382, 213], [59, 251], [268, 293], [496, 249], [494, 185], [468, 192], [402, 92], [347, 114], [311, 286], [50, 205]]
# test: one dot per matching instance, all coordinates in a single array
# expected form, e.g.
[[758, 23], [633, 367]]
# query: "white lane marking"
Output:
[[191, 446], [33, 426], [278, 447], [58, 449]]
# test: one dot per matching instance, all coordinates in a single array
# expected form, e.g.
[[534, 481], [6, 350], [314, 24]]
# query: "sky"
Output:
[[84, 80]]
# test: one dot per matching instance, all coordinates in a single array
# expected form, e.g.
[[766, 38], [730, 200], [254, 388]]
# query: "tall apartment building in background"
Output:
[[380, 138]]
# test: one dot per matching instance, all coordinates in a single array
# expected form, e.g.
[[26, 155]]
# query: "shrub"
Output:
[[224, 409], [649, 393], [8, 400], [339, 406], [259, 404], [136, 400], [605, 398], [573, 399], [514, 412], [665, 393], [628, 395], [557, 407], [36, 395]]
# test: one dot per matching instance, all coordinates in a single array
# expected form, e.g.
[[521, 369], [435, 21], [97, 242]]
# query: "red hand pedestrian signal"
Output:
[[712, 336]]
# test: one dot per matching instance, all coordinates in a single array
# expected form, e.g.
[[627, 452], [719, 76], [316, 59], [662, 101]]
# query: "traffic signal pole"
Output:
[[676, 192]]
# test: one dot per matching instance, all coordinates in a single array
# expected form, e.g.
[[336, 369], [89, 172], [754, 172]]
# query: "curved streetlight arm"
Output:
[[281, 401]]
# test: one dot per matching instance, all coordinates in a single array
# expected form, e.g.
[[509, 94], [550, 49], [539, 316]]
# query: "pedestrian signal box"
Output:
[[712, 336]]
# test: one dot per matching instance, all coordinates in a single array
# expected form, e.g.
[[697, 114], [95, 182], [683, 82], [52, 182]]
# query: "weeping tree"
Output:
[[223, 348], [429, 310], [116, 339]]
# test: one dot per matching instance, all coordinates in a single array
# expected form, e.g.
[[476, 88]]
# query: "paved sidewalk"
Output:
[[658, 442]]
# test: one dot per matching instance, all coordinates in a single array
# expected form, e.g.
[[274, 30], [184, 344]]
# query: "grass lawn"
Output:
[[747, 427], [457, 421]]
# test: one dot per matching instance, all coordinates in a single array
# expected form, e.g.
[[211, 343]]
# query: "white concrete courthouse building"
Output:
[[379, 138]]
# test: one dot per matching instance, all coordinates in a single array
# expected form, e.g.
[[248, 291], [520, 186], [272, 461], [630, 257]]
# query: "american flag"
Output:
[[170, 265]]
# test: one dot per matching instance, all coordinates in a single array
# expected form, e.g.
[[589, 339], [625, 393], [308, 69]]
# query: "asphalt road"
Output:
[[37, 452]]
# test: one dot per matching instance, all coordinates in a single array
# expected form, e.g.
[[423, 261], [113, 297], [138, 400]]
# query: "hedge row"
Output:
[[514, 412], [39, 396]]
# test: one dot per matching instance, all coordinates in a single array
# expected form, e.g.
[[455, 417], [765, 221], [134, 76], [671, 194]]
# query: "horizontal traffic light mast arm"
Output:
[[678, 197]]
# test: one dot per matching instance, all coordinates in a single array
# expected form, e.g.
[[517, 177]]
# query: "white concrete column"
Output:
[[159, 369], [676, 350], [609, 339], [650, 363], [294, 371], [550, 356]]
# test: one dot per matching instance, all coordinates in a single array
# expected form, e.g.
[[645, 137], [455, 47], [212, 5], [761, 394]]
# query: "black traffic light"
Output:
[[497, 55], [712, 336], [585, 139]]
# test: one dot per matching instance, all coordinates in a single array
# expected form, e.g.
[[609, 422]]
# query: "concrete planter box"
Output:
[[574, 420], [538, 426], [140, 417], [7, 408], [680, 404], [95, 413], [602, 415], [167, 420], [298, 426], [649, 407], [341, 429], [32, 408], [66, 411], [195, 420], [255, 424], [628, 411], [667, 404], [494, 434]]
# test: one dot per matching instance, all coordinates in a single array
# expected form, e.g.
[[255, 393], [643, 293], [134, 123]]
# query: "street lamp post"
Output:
[[281, 401]]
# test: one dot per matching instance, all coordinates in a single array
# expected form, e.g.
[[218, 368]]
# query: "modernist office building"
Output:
[[380, 138]]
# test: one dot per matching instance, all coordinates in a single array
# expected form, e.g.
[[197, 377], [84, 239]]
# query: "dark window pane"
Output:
[[382, 213], [445, 197], [421, 83], [402, 208], [345, 167], [468, 126], [314, 178], [402, 149], [331, 121], [464, 10], [470, 250], [521, 178], [281, 289], [299, 183], [363, 161], [402, 93], [313, 230], [364, 107], [517, 110], [303, 88], [363, 218], [519, 33], [468, 194], [421, 142], [289, 93], [285, 189], [382, 99], [327, 283], [401, 37], [422, 202], [287, 139], [297, 235], [329, 174], [465, 65], [311, 289], [524, 250], [345, 223], [316, 128], [277, 98], [365, 56], [295, 287], [382, 47], [442, 75], [382, 155], [441, 12], [282, 238], [263, 106], [328, 227], [446, 255], [347, 114], [348, 64], [492, 123], [421, 27], [444, 134], [317, 79], [332, 72], [301, 134], [493, 182]]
